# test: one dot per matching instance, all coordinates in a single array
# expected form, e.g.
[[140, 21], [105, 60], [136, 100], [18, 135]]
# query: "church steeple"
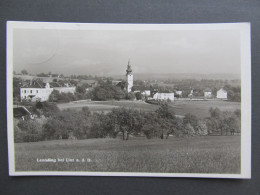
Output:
[[129, 77], [128, 69]]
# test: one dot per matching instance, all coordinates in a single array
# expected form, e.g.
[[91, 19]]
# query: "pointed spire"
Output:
[[128, 70]]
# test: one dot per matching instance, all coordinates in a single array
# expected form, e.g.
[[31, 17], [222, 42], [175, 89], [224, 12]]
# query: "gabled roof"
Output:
[[116, 82], [222, 90], [207, 90], [60, 84], [34, 84]]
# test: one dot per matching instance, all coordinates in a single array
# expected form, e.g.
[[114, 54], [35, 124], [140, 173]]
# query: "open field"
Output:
[[108, 105], [201, 108], [198, 108], [209, 154]]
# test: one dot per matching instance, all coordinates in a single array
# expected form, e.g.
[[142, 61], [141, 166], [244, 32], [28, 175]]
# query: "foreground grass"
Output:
[[219, 154]]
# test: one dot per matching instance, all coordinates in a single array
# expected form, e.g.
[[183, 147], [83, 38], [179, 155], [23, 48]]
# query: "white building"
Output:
[[39, 91], [179, 93], [129, 78], [146, 93], [63, 87], [207, 93], [163, 96], [222, 94]]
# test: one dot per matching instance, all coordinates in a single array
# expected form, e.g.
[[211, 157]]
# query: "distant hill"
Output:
[[176, 76]]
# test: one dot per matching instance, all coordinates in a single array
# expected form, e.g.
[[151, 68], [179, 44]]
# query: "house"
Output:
[[146, 93], [222, 94], [63, 87], [37, 90], [178, 93], [163, 96], [207, 93]]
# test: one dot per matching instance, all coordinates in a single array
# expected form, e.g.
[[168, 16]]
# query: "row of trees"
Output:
[[124, 122], [105, 91]]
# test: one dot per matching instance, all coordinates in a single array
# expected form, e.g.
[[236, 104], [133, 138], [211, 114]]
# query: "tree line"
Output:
[[122, 122]]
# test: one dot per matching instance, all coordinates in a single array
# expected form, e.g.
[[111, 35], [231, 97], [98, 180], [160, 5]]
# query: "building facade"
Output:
[[222, 94], [163, 96], [39, 91], [207, 93], [146, 93]]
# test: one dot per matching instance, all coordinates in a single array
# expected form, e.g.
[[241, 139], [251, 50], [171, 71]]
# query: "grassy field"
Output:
[[201, 108], [198, 108], [210, 154]]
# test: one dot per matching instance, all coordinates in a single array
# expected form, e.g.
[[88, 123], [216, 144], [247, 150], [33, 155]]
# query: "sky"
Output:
[[106, 52]]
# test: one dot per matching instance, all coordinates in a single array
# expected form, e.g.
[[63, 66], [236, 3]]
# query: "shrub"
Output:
[[202, 128], [189, 130]]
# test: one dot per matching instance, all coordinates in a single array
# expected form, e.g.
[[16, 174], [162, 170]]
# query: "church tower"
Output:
[[129, 78]]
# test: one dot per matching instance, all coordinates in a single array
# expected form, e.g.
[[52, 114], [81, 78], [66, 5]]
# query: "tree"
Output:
[[81, 89], [202, 128], [131, 96], [164, 111], [191, 119], [16, 88], [138, 96], [126, 121], [24, 72], [189, 129], [214, 112], [119, 93], [47, 109]]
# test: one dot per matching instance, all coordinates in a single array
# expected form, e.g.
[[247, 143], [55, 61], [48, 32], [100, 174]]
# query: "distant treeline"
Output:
[[123, 122], [104, 91]]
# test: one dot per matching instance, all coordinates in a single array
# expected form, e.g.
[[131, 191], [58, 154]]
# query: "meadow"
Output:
[[198, 108], [202, 154]]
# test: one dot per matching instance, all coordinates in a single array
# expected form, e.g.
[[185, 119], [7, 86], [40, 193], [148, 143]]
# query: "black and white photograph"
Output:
[[158, 100]]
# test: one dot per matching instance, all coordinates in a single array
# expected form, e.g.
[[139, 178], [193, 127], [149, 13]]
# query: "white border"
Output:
[[245, 36]]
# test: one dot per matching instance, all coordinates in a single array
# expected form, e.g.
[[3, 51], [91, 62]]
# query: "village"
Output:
[[34, 89], [103, 95]]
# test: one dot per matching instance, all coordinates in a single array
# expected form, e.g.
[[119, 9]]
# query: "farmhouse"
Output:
[[222, 94], [163, 96], [37, 90]]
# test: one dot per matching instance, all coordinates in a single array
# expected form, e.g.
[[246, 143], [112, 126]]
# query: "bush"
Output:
[[189, 130], [32, 138], [18, 135], [28, 131], [202, 128]]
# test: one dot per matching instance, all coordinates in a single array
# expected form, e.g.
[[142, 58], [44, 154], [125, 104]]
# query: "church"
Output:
[[156, 96]]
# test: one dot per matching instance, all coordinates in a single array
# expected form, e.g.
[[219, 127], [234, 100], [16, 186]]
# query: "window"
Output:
[[36, 91], [24, 91], [31, 91]]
